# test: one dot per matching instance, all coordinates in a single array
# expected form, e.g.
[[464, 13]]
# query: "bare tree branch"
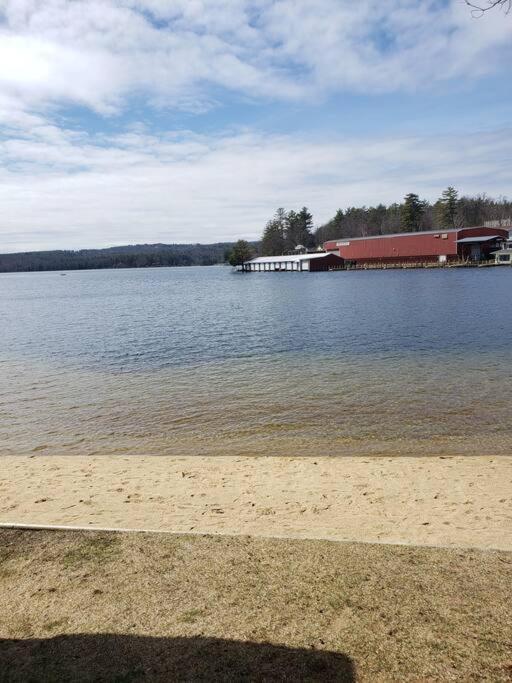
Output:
[[478, 10]]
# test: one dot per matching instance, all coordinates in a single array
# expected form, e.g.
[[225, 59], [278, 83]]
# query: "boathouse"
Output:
[[432, 246], [319, 261]]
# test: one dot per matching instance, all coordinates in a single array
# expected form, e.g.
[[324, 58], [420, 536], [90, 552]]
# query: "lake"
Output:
[[187, 361]]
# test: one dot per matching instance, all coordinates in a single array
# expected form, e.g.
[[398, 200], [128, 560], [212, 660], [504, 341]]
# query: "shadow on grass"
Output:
[[123, 658]]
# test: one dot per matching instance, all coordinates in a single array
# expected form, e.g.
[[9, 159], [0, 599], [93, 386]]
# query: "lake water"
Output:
[[206, 361]]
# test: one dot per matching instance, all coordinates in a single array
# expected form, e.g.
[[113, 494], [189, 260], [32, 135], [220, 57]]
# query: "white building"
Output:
[[504, 255], [296, 262]]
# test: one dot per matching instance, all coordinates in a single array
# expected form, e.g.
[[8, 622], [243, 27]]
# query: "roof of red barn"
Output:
[[399, 234]]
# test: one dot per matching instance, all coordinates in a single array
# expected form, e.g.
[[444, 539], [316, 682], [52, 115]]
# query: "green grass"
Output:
[[92, 550], [190, 617]]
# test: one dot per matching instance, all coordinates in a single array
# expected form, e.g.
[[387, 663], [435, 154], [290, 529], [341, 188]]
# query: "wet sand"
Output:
[[445, 501]]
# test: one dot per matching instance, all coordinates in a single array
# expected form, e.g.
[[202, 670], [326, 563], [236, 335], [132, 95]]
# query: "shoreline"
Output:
[[92, 530], [440, 501]]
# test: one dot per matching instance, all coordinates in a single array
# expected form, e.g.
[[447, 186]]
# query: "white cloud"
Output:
[[72, 192], [64, 188], [98, 52]]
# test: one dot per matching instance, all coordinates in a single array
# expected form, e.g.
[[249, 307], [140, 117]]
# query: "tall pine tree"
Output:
[[298, 231], [446, 209], [411, 213], [273, 242], [305, 220], [292, 231]]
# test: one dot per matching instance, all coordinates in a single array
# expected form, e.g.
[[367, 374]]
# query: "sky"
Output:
[[142, 121]]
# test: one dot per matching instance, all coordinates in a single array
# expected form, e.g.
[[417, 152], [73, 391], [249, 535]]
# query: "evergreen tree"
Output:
[[446, 208], [292, 231], [338, 220], [273, 242], [334, 229], [305, 220], [411, 213], [299, 230], [240, 253]]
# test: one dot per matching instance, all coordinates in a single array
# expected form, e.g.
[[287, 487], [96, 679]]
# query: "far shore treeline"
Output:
[[131, 256], [285, 231]]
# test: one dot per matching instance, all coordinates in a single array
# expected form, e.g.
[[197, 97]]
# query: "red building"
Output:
[[464, 244]]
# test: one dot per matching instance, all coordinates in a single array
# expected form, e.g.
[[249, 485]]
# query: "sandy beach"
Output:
[[445, 501]]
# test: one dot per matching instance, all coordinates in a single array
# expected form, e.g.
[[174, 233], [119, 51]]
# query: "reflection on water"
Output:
[[188, 361]]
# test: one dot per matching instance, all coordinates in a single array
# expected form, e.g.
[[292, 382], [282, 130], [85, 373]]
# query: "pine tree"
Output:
[[411, 212], [305, 219], [298, 230], [338, 219], [333, 230], [292, 231], [273, 242], [447, 207]]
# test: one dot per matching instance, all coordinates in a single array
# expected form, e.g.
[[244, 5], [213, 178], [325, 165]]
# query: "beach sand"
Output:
[[445, 501]]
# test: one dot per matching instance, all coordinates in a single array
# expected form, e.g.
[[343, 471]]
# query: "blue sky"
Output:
[[127, 121]]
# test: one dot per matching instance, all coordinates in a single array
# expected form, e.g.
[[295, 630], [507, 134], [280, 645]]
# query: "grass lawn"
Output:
[[88, 606]]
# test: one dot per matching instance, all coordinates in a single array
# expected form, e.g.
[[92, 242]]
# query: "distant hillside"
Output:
[[129, 256]]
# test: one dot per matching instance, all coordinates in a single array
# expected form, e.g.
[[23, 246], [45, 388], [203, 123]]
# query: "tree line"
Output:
[[287, 230], [414, 214], [130, 256]]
